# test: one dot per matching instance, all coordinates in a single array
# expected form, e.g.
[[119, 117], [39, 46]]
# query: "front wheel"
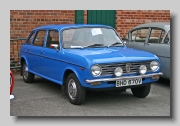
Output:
[[141, 92], [27, 76], [76, 93]]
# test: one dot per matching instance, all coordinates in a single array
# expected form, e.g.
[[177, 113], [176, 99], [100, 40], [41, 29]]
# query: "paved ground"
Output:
[[43, 98]]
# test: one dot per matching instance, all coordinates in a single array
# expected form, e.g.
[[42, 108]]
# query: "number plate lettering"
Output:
[[121, 83]]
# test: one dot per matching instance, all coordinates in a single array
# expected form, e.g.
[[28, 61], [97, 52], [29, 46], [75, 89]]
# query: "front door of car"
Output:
[[36, 51], [50, 60], [137, 38], [157, 47]]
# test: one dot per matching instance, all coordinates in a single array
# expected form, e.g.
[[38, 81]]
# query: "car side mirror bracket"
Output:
[[55, 46]]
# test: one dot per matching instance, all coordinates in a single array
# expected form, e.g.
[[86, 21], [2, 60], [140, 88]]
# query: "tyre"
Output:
[[141, 92], [75, 92], [27, 76]]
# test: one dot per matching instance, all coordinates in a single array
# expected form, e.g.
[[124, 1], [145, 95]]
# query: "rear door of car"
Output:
[[25, 50], [137, 38], [35, 52]]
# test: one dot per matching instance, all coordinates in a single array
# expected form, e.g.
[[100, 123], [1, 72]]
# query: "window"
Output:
[[68, 35], [156, 35], [39, 39], [53, 38], [133, 35], [82, 37], [30, 39], [167, 38], [139, 35]]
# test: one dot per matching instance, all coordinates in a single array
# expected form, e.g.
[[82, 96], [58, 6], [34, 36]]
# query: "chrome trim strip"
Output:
[[123, 78]]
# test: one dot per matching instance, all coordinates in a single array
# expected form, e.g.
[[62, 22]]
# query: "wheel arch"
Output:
[[66, 74], [21, 62]]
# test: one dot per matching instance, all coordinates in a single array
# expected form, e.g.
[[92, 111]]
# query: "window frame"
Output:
[[36, 36], [130, 34], [166, 33], [61, 33], [32, 32], [47, 33], [156, 28]]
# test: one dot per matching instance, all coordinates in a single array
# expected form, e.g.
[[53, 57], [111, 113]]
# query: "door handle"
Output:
[[42, 52], [28, 49], [146, 43]]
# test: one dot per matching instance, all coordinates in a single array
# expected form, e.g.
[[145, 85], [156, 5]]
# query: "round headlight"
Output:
[[96, 70], [142, 69], [154, 65], [118, 71]]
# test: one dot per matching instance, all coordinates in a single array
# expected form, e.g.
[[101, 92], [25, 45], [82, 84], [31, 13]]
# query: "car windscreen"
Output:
[[90, 37]]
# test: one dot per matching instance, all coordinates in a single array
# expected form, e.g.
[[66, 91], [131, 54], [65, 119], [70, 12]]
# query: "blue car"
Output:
[[83, 57]]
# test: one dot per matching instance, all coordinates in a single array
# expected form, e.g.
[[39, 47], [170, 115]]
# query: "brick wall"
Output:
[[23, 21], [126, 19]]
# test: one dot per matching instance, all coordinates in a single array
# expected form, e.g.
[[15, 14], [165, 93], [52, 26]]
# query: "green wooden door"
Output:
[[79, 16], [107, 17]]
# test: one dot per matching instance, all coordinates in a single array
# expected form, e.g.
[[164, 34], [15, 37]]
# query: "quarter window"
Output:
[[30, 39], [39, 39]]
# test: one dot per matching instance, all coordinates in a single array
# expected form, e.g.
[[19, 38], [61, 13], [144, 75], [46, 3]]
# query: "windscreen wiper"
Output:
[[116, 43], [93, 45]]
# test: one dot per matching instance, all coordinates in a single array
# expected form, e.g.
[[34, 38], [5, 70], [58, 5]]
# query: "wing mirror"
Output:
[[124, 41], [54, 46]]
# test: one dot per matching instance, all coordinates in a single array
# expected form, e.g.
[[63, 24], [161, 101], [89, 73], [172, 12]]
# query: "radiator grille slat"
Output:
[[108, 69]]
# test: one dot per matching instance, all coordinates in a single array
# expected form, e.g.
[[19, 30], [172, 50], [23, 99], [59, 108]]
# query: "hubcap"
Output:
[[72, 90], [25, 71]]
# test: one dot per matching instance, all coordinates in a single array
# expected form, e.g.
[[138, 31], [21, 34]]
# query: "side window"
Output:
[[39, 39], [162, 36], [133, 35], [156, 35], [141, 35], [52, 38], [167, 38], [30, 39]]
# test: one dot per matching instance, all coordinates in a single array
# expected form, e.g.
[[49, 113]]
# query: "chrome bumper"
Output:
[[124, 78]]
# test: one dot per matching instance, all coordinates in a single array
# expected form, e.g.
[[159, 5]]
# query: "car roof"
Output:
[[162, 25], [64, 26]]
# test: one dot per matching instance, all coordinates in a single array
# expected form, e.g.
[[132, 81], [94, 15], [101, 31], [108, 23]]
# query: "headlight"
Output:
[[118, 71], [154, 65], [96, 70], [142, 69]]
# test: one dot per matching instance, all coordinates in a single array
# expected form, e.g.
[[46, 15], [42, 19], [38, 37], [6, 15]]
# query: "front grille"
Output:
[[108, 69]]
